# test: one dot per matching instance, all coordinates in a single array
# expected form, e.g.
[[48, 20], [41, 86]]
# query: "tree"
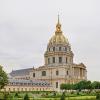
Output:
[[66, 86], [96, 85], [63, 86], [88, 85], [81, 85], [3, 78], [26, 97], [16, 94]]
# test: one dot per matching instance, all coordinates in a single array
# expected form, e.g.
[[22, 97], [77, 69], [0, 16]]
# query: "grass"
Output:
[[37, 96]]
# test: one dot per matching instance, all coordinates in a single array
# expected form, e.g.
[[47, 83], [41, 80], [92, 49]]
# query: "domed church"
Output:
[[59, 66]]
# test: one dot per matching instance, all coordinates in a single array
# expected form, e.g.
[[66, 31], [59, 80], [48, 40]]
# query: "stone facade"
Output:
[[27, 85]]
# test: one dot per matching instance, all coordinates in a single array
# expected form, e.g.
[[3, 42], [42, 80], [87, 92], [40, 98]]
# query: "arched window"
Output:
[[43, 73]]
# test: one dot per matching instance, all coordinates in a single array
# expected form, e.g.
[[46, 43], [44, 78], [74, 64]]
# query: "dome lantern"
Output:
[[58, 27]]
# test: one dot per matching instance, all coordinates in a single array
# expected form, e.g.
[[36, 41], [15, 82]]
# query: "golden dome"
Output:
[[58, 38]]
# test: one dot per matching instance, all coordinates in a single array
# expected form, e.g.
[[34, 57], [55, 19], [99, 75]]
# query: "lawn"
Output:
[[37, 96]]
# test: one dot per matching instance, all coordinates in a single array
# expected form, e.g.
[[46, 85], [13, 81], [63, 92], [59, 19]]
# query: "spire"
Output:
[[58, 27], [58, 18]]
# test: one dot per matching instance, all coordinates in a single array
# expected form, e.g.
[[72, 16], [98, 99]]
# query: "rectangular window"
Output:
[[59, 48], [43, 73], [66, 59], [67, 72], [60, 59], [33, 74], [49, 49], [57, 72], [48, 60], [56, 84], [65, 49], [53, 48], [53, 59]]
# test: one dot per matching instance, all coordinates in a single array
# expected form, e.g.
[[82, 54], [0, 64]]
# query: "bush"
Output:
[[6, 96], [16, 94], [63, 96], [1, 96], [98, 96], [26, 97]]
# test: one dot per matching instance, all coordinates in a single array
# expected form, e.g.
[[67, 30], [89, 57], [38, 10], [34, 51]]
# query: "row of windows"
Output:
[[44, 73], [60, 49], [29, 84], [53, 60], [27, 89]]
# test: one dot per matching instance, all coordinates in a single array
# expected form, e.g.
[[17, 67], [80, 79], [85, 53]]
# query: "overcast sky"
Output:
[[27, 25]]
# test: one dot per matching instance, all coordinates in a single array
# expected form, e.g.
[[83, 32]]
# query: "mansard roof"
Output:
[[21, 72], [14, 82]]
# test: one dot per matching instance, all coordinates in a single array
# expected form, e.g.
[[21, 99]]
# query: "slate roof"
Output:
[[21, 72]]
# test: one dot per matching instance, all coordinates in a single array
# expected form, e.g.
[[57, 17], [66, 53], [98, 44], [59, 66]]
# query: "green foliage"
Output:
[[1, 96], [62, 96], [3, 78], [79, 86], [96, 85], [82, 85], [66, 86], [16, 94], [54, 94], [98, 96], [5, 96], [26, 97]]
